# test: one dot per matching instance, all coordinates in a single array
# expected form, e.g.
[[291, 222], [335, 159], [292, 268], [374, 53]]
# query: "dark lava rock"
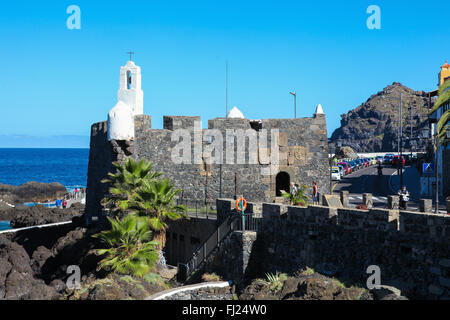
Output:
[[32, 192], [37, 215], [387, 293], [16, 275], [290, 286], [40, 257], [74, 248], [58, 285], [6, 213], [304, 286], [114, 287], [316, 287]]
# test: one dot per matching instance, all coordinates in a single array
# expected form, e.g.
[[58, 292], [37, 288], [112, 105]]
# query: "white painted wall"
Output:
[[134, 97], [120, 122]]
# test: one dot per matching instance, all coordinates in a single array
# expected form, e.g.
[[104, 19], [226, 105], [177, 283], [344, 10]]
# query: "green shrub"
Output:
[[275, 281], [211, 277]]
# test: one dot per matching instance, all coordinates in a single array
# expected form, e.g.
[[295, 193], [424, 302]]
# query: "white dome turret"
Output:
[[235, 113], [121, 122], [319, 109]]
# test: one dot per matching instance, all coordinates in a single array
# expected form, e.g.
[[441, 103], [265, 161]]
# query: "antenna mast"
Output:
[[226, 88]]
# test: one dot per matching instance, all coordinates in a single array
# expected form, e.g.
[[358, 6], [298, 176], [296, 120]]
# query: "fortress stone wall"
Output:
[[412, 249], [303, 158]]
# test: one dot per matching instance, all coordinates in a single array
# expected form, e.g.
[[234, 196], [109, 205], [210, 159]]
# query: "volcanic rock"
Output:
[[16, 275], [37, 215], [373, 126], [32, 192]]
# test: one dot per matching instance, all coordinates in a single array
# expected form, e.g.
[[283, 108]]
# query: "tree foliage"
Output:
[[128, 177], [299, 197], [129, 249], [156, 201], [443, 99], [442, 127]]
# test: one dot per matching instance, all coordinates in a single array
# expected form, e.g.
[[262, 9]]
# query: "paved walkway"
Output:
[[75, 198], [411, 179]]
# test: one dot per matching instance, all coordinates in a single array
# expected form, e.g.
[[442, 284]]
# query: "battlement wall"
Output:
[[412, 249], [302, 147]]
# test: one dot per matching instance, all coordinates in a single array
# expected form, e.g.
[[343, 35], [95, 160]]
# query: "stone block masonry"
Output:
[[303, 151], [412, 249]]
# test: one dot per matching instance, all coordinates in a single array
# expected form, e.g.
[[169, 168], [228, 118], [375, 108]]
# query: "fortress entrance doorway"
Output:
[[282, 183]]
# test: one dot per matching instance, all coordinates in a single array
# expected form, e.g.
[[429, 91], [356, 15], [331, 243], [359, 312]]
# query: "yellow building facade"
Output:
[[444, 74]]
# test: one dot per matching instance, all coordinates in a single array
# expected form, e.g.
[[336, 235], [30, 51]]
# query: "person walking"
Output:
[[76, 193], [58, 203], [64, 203], [380, 169], [315, 194], [404, 198]]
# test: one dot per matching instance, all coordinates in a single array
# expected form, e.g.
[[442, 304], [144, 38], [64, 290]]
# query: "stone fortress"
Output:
[[301, 143]]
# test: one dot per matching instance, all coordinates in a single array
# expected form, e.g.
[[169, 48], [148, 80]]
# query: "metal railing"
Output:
[[234, 222], [199, 208], [80, 194]]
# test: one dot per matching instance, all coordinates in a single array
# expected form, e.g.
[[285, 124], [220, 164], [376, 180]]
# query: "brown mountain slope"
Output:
[[373, 126]]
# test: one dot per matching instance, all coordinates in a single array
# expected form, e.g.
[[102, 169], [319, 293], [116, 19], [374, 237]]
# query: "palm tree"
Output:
[[129, 247], [299, 198], [128, 178], [443, 127], [155, 200], [443, 99]]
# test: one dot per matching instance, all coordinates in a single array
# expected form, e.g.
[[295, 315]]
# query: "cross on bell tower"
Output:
[[131, 54]]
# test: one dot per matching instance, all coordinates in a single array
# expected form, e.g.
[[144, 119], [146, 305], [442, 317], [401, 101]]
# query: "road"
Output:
[[367, 181]]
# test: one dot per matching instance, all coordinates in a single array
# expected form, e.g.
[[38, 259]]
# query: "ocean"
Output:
[[66, 166]]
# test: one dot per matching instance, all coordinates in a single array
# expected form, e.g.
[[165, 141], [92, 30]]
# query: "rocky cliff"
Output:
[[373, 126]]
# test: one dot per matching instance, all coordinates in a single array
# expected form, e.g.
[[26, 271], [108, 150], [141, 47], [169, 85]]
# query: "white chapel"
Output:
[[130, 102]]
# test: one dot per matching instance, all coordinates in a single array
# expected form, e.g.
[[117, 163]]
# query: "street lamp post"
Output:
[[295, 103], [399, 139], [436, 151], [401, 142]]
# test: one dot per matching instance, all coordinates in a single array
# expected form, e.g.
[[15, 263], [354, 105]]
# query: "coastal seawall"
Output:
[[411, 249]]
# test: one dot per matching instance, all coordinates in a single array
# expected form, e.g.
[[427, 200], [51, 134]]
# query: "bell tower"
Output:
[[130, 102], [130, 91]]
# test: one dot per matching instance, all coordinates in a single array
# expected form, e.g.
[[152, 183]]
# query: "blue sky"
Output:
[[58, 81]]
